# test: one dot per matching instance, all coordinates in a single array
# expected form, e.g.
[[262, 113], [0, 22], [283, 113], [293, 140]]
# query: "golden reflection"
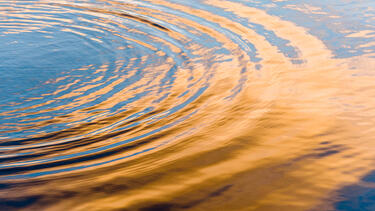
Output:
[[293, 135]]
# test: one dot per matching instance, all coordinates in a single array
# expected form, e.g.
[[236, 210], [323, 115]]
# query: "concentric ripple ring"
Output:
[[173, 105]]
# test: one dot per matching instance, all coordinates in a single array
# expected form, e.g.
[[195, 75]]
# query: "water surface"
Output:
[[187, 105]]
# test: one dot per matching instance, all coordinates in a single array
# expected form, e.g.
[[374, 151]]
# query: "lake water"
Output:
[[187, 105]]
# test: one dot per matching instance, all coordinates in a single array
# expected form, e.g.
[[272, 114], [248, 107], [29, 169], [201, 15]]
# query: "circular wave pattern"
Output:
[[97, 83], [174, 105]]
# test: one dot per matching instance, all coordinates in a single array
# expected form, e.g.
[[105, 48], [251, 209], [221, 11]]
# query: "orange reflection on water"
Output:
[[291, 136]]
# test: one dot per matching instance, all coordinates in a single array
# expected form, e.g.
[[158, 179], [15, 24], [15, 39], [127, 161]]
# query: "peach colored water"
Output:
[[187, 105]]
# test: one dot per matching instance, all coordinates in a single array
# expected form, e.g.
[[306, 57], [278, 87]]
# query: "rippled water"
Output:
[[187, 105]]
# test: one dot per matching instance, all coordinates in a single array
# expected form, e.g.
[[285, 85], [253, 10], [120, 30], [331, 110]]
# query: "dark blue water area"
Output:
[[357, 197]]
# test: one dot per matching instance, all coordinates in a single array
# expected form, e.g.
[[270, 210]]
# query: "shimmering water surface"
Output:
[[187, 105]]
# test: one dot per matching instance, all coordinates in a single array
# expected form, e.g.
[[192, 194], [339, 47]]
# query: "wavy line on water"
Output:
[[107, 93], [171, 99]]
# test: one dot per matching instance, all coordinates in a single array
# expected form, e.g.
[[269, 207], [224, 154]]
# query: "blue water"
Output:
[[187, 105]]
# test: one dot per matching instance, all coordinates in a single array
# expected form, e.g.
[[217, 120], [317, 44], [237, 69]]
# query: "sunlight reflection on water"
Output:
[[198, 105]]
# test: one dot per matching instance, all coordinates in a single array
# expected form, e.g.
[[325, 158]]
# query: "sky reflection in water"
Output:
[[187, 105]]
